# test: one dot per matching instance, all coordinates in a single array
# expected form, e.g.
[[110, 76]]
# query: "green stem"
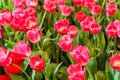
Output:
[[70, 58], [89, 73], [43, 19], [22, 71], [33, 75]]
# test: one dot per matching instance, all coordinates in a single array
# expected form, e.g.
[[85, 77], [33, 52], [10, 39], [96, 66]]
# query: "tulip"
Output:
[[5, 58], [95, 28], [80, 16], [12, 69], [65, 43], [5, 77], [112, 1], [80, 54], [37, 63], [19, 3], [32, 3], [30, 12], [111, 30], [34, 35], [62, 26], [21, 50], [86, 23], [96, 9], [66, 10], [72, 31], [111, 9], [76, 72], [115, 62], [49, 6]]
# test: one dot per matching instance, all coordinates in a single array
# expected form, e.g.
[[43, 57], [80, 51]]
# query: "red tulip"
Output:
[[49, 6], [76, 72], [95, 28], [1, 32], [18, 3], [32, 3], [5, 58], [21, 50], [60, 2], [66, 10], [65, 43], [34, 35], [80, 54], [5, 77], [111, 9], [72, 31], [115, 62], [5, 18], [31, 22], [78, 2], [111, 30], [30, 12], [96, 9], [37, 63], [11, 69], [62, 26], [86, 23], [80, 16]]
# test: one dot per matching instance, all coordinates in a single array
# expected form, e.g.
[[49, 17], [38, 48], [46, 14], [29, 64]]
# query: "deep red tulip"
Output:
[[115, 62], [21, 50], [62, 26], [11, 69], [78, 2], [111, 9], [111, 30], [76, 72], [34, 35], [5, 77], [80, 16], [37, 63], [5, 58], [65, 43], [80, 54]]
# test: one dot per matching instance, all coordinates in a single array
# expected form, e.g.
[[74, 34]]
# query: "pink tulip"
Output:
[[34, 35], [111, 9], [111, 30], [115, 62], [80, 54], [95, 28], [65, 43], [72, 31], [60, 2], [1, 32], [66, 10], [86, 23], [30, 12], [96, 9], [37, 63], [5, 58], [78, 2], [32, 3], [21, 50], [111, 1], [19, 3], [76, 72], [62, 26], [49, 6]]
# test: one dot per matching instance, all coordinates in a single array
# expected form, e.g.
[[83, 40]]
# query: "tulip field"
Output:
[[59, 39]]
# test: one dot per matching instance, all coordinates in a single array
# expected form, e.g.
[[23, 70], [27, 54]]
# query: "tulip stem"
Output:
[[89, 73], [43, 19], [22, 71]]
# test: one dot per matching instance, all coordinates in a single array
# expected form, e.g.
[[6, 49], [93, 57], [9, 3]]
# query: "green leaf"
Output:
[[92, 65], [109, 72], [57, 69], [16, 77]]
